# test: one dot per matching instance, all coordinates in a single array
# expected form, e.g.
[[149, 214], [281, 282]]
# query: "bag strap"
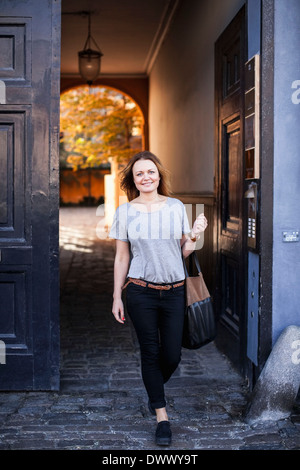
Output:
[[196, 261]]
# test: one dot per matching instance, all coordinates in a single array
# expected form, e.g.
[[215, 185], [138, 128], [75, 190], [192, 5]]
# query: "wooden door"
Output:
[[230, 288], [29, 129]]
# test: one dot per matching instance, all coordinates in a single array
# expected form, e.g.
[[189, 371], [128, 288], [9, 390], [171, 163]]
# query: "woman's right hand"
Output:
[[199, 226], [118, 310], [120, 271]]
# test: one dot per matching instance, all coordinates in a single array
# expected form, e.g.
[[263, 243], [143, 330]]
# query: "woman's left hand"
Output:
[[199, 226]]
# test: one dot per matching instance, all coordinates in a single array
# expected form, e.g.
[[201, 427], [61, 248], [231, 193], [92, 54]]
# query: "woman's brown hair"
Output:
[[126, 176]]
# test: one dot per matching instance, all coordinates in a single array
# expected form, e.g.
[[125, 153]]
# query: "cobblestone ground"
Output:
[[102, 403]]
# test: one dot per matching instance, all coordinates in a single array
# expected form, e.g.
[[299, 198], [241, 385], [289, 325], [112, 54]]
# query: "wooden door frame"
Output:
[[54, 130], [267, 184]]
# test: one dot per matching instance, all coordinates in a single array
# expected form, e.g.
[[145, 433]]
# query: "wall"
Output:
[[74, 185], [286, 256], [181, 106]]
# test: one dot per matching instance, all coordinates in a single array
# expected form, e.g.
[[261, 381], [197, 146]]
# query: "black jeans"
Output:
[[157, 316]]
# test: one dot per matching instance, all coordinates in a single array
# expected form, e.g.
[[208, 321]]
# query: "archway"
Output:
[[86, 259], [101, 128], [136, 88]]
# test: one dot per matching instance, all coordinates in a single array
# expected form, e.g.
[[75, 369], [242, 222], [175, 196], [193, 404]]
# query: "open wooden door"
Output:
[[29, 176], [231, 251]]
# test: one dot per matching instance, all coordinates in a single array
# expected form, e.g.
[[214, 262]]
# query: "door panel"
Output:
[[230, 311], [29, 119], [15, 44], [231, 276], [231, 177], [15, 164]]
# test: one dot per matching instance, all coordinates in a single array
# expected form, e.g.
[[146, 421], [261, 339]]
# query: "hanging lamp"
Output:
[[89, 59]]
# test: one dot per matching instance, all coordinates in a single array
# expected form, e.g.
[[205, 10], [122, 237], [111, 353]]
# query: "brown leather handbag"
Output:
[[199, 319]]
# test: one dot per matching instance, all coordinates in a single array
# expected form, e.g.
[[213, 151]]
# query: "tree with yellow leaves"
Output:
[[98, 124]]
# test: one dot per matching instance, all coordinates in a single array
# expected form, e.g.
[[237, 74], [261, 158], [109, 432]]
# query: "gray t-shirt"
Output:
[[154, 239]]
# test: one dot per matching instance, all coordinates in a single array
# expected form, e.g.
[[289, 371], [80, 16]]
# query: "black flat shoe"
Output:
[[151, 409], [163, 434]]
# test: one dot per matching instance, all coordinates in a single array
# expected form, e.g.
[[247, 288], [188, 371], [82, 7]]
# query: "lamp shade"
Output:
[[89, 64]]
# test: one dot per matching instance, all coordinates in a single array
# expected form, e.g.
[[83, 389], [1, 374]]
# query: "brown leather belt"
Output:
[[142, 283]]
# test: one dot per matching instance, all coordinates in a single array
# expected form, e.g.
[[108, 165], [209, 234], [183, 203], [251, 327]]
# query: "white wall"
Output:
[[181, 105]]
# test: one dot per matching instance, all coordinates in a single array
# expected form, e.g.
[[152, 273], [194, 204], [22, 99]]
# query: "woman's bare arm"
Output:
[[121, 265], [187, 246]]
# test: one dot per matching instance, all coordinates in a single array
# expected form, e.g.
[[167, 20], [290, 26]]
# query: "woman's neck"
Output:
[[150, 202], [149, 198]]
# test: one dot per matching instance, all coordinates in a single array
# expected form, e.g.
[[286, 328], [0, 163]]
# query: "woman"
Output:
[[152, 234]]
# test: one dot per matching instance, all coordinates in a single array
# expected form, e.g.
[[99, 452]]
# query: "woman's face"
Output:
[[145, 176]]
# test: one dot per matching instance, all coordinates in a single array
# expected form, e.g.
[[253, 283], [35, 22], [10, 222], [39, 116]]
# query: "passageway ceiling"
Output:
[[129, 33]]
